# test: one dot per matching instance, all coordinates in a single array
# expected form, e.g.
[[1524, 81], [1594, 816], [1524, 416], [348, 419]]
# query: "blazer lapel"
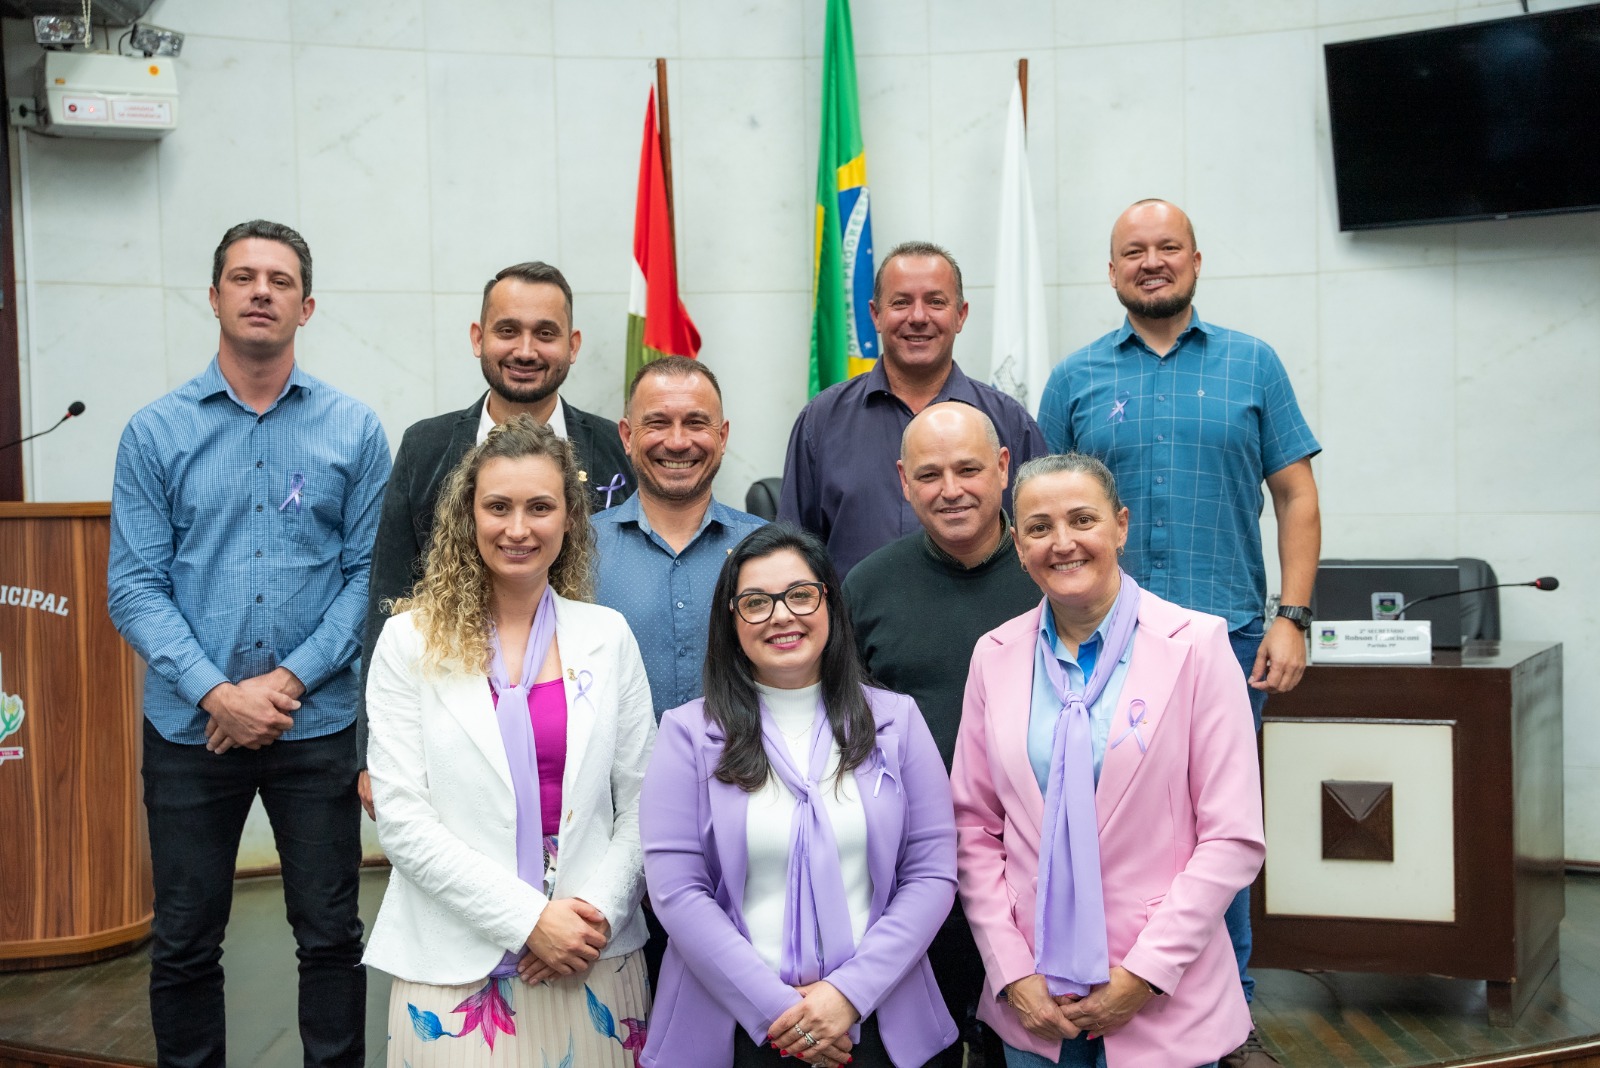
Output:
[[883, 804], [581, 669], [1011, 689], [1146, 691], [468, 699], [729, 809]]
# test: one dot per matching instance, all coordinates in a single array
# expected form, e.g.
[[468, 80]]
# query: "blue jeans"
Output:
[[1246, 641], [196, 803], [1077, 1052]]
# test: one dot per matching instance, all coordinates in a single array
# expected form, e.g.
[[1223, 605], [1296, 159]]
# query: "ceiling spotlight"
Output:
[[57, 31], [155, 41]]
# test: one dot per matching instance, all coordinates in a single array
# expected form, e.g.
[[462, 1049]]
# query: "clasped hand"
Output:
[[252, 714], [567, 939], [1104, 1009], [823, 1013]]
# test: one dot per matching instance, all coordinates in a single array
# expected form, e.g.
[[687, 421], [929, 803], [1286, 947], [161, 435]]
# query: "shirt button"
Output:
[[258, 645], [258, 552], [1160, 480], [1161, 396], [1161, 522], [1159, 565], [258, 598], [258, 508], [258, 463], [1161, 437], [680, 604]]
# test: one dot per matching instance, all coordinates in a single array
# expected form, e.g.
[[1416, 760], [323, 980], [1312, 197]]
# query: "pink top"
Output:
[[547, 709]]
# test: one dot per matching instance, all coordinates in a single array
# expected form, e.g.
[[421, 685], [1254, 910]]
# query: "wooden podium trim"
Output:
[[53, 509], [127, 934]]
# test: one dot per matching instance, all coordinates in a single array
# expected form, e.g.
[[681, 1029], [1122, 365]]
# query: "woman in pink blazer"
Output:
[[1107, 801]]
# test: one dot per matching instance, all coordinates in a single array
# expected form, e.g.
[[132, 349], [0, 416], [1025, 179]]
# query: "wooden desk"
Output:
[[1491, 907], [74, 855]]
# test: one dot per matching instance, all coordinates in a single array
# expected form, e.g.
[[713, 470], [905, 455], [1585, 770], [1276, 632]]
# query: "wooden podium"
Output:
[[74, 854], [1414, 820]]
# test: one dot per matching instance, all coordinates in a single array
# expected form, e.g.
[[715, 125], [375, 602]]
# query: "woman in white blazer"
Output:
[[510, 724]]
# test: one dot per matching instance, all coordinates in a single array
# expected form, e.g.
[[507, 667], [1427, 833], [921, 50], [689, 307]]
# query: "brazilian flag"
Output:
[[843, 342]]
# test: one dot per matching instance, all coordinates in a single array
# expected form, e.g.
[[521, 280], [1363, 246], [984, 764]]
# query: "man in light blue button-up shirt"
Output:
[[242, 517]]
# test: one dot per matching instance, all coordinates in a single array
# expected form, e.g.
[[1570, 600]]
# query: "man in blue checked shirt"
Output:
[[242, 519], [1191, 418]]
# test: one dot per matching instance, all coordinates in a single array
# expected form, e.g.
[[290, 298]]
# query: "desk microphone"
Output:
[[1548, 582], [73, 409]]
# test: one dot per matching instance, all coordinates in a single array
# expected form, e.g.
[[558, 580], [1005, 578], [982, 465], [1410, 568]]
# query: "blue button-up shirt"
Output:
[[1045, 708], [217, 574], [839, 478], [665, 595], [1190, 436]]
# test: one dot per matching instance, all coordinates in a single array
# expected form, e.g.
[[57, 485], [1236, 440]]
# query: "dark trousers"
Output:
[[958, 969], [868, 1053], [196, 803]]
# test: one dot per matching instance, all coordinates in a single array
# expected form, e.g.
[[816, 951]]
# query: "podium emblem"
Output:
[[11, 714]]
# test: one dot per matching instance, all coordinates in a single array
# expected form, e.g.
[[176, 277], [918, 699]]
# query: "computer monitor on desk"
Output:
[[1381, 591]]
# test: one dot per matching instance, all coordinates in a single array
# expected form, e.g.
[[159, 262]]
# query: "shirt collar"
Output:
[[212, 383], [1047, 627], [632, 511], [940, 556], [1127, 332], [957, 386], [557, 423]]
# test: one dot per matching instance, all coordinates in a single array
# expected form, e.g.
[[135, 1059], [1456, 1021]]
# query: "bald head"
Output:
[[1153, 208], [953, 472]]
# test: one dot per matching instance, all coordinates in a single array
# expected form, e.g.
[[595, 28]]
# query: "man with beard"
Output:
[[1191, 419], [525, 342], [661, 550]]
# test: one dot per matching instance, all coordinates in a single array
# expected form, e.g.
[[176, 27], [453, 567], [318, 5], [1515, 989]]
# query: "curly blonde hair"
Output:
[[451, 602]]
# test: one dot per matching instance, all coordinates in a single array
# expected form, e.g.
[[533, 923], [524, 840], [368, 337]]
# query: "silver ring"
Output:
[[809, 1037], [798, 1031]]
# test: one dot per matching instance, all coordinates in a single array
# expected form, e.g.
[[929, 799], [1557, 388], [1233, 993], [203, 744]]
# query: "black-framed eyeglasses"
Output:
[[756, 606]]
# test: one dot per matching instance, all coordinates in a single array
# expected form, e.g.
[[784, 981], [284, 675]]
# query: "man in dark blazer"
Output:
[[526, 344]]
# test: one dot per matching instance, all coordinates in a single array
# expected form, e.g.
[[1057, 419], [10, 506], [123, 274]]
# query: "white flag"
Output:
[[1020, 361]]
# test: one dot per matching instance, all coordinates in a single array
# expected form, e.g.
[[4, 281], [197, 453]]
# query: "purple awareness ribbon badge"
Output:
[[296, 484], [1119, 410], [612, 487], [1135, 705]]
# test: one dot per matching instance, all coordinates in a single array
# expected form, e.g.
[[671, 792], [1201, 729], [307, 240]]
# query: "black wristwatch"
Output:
[[1299, 615]]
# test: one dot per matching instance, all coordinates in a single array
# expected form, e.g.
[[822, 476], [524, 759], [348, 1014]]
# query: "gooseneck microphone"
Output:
[[1546, 582], [73, 410]]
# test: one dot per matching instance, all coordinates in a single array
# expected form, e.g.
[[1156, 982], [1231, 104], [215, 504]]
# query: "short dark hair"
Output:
[[534, 272], [918, 248], [671, 367], [731, 699], [267, 231]]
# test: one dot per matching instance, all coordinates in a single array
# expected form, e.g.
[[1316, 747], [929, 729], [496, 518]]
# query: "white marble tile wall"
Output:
[[422, 144]]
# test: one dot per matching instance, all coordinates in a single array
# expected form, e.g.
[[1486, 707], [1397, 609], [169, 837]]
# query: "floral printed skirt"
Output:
[[594, 1019]]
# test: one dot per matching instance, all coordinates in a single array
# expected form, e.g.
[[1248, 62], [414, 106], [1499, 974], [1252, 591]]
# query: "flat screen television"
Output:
[[1483, 121]]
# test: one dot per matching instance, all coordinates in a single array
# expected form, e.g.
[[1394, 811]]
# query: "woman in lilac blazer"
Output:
[[798, 836]]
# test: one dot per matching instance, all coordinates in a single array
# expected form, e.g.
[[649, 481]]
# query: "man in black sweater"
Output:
[[921, 603]]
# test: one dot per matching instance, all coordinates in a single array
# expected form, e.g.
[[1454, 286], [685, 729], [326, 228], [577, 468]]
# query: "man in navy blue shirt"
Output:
[[840, 479], [242, 517], [1192, 418]]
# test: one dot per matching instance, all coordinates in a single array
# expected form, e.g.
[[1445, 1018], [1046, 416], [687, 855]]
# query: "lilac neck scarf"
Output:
[[817, 936], [516, 731], [1070, 913]]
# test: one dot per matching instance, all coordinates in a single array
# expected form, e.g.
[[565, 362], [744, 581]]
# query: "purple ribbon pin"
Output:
[[1135, 705], [612, 487], [1119, 410], [883, 770], [296, 484]]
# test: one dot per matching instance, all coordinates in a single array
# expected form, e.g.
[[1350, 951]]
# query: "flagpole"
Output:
[[664, 131], [1022, 80]]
